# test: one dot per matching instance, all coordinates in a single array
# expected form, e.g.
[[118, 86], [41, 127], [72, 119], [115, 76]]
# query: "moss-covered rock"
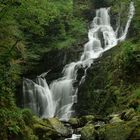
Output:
[[44, 132], [81, 121], [52, 128], [119, 131], [74, 122], [88, 132], [88, 118], [59, 127]]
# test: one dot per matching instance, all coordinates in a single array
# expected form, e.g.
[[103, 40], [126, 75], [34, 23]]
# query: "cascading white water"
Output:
[[57, 99], [38, 97]]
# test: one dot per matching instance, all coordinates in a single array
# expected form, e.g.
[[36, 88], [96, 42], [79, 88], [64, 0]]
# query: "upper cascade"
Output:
[[57, 99]]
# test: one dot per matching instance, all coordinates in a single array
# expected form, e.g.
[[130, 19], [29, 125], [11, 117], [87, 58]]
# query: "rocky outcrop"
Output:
[[54, 61], [93, 96], [113, 127]]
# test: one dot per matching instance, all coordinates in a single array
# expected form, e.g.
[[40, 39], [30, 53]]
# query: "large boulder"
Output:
[[59, 127], [120, 131], [88, 132], [82, 121], [50, 129]]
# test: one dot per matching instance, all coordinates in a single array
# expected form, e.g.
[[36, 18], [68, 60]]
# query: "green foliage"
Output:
[[11, 122], [30, 28], [136, 22], [16, 124], [27, 30], [127, 62], [27, 117], [135, 99], [137, 93]]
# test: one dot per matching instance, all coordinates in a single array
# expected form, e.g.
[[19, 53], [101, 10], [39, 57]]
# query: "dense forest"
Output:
[[32, 31]]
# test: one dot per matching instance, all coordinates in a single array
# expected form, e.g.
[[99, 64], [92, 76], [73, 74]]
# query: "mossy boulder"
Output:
[[82, 121], [88, 132], [59, 127], [74, 122], [45, 132], [47, 129], [119, 131], [88, 118]]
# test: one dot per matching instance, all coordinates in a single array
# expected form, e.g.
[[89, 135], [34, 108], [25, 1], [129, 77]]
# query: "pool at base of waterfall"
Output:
[[74, 137]]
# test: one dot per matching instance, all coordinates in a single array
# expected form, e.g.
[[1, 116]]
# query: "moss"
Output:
[[88, 132], [47, 129], [59, 127], [109, 86], [27, 117], [74, 122], [43, 132], [115, 132], [28, 134], [81, 121]]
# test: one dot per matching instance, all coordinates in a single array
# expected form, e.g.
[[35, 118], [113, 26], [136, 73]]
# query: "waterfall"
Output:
[[57, 99]]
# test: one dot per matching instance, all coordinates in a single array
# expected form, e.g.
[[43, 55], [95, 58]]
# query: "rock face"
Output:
[[54, 61], [92, 94]]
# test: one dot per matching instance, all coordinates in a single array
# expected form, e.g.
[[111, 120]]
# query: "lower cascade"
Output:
[[57, 99]]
